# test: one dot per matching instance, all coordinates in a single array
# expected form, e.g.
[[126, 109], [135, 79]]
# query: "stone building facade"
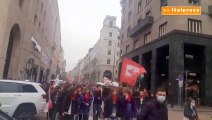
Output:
[[169, 46], [103, 59], [30, 40]]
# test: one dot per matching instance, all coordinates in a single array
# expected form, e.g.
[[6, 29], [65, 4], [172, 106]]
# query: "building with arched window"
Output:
[[30, 40], [102, 60]]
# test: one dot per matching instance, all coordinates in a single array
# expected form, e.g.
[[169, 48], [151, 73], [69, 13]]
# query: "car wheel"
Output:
[[25, 112]]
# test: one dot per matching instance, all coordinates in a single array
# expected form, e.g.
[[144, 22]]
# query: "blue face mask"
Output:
[[161, 99]]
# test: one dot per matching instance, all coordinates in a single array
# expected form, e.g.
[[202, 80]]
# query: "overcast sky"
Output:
[[81, 22]]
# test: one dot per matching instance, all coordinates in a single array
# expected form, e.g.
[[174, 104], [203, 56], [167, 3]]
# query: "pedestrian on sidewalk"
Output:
[[190, 112], [97, 102], [155, 109], [85, 103]]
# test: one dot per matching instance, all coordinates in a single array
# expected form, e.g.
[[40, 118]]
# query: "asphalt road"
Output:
[[173, 115]]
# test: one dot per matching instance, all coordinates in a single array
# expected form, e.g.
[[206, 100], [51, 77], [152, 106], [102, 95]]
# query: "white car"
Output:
[[21, 99]]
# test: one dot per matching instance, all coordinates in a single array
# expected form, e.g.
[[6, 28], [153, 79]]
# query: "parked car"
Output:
[[4, 116], [21, 99]]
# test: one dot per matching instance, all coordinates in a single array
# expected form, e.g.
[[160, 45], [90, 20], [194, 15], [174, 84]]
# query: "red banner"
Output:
[[130, 71]]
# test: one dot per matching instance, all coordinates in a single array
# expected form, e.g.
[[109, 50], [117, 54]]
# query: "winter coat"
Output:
[[66, 102], [59, 101], [75, 104], [129, 108], [84, 106], [190, 113], [97, 97], [153, 110], [120, 105], [140, 103], [54, 96], [108, 106]]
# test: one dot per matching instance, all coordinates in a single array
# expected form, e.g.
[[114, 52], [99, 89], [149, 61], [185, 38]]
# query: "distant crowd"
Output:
[[78, 102]]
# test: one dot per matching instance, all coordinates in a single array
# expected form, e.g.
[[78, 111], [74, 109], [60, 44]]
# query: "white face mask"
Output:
[[161, 99]]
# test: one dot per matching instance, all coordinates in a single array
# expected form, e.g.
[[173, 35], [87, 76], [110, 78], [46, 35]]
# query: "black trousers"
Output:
[[83, 116]]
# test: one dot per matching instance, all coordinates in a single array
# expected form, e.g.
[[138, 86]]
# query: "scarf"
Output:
[[145, 94], [142, 96], [76, 95], [72, 97], [114, 99], [98, 90], [128, 98], [87, 97]]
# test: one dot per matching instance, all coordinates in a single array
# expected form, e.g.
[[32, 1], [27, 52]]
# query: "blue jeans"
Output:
[[96, 111]]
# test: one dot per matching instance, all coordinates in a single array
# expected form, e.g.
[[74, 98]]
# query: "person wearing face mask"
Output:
[[155, 109], [190, 112]]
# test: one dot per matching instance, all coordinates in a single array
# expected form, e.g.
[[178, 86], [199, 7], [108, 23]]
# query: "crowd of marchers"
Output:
[[74, 102]]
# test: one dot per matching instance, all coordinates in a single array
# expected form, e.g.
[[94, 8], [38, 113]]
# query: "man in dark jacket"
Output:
[[97, 102], [67, 103], [156, 109]]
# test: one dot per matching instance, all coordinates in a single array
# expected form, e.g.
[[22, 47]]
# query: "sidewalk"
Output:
[[199, 108]]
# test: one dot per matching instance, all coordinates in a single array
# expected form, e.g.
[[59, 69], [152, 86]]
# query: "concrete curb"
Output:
[[198, 109]]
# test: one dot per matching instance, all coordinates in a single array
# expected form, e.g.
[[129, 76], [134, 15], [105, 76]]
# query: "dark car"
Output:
[[4, 116]]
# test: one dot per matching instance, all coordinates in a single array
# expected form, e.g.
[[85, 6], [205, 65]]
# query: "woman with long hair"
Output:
[[190, 112], [76, 103], [129, 107], [114, 94]]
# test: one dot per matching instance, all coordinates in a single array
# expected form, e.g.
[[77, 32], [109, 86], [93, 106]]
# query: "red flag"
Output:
[[130, 71]]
